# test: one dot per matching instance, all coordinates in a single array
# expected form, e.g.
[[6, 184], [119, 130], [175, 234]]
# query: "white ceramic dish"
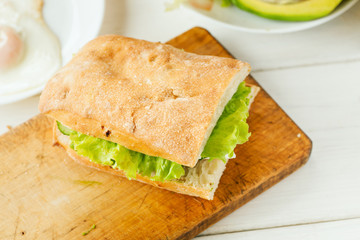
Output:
[[75, 22], [238, 19]]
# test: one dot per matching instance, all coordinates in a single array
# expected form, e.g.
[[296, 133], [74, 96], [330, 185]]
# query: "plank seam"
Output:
[[282, 226], [319, 64]]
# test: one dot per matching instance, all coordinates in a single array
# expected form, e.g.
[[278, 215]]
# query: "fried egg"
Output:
[[29, 52]]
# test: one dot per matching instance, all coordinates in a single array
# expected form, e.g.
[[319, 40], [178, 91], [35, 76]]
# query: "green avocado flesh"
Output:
[[298, 11], [230, 130]]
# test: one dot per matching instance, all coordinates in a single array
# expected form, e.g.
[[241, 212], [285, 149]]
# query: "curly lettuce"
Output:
[[112, 154], [231, 128]]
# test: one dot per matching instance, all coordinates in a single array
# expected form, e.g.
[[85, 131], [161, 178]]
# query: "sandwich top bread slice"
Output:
[[150, 111]]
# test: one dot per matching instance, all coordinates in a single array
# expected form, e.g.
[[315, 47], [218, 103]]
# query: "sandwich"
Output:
[[151, 112]]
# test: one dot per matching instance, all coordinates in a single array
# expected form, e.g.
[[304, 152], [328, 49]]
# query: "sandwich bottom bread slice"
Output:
[[201, 180]]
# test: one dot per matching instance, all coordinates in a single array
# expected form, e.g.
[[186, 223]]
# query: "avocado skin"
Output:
[[311, 14]]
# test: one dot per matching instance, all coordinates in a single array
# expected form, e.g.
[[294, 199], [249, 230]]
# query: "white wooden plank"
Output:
[[16, 113], [346, 230], [335, 41], [325, 102]]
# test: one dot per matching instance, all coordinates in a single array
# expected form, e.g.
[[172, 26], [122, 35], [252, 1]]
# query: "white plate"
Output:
[[236, 18], [75, 22]]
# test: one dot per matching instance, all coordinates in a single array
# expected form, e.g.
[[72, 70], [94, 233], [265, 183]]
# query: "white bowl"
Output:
[[238, 19], [75, 22]]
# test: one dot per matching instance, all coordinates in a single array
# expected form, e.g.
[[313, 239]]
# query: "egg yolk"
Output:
[[11, 47]]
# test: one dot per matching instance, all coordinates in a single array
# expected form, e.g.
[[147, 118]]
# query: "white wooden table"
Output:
[[315, 77]]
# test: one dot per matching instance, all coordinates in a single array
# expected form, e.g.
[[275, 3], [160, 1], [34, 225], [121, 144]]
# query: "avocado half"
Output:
[[298, 11]]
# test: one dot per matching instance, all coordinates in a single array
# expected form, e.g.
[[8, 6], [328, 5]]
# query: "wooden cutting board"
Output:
[[45, 195]]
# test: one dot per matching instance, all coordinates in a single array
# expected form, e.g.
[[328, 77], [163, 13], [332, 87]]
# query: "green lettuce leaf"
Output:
[[231, 128], [112, 154]]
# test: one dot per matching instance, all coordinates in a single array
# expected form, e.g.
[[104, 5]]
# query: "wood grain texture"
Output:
[[45, 195]]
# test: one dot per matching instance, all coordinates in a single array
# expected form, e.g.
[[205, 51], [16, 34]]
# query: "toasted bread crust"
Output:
[[149, 97]]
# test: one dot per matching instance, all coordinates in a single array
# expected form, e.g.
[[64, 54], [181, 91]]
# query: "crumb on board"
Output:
[[88, 231], [88, 183], [299, 135]]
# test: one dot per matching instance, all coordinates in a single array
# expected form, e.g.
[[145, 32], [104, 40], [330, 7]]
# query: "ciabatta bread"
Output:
[[149, 97], [200, 181]]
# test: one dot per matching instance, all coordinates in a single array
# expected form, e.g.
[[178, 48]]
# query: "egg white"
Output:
[[42, 53]]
